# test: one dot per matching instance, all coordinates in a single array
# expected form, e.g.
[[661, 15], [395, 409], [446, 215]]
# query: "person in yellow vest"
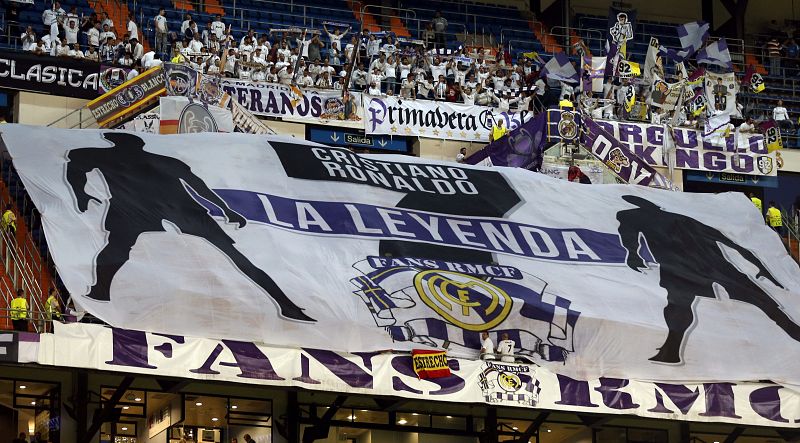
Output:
[[53, 307], [566, 104], [19, 311], [9, 222], [498, 130], [774, 219], [757, 202]]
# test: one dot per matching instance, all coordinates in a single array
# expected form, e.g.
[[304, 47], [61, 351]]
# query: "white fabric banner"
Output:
[[720, 91], [718, 154], [471, 381], [181, 115], [281, 241], [435, 119], [319, 107]]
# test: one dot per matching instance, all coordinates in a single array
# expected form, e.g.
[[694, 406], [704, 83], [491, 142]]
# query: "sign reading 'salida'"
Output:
[[129, 97], [51, 75]]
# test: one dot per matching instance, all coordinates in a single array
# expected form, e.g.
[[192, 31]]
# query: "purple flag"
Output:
[[522, 147], [622, 161]]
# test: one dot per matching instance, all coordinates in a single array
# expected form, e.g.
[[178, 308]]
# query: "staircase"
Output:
[[118, 13], [183, 5], [750, 59], [214, 7], [367, 20], [549, 42], [398, 27]]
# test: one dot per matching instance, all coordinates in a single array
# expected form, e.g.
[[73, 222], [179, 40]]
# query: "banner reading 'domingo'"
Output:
[[434, 119], [281, 241]]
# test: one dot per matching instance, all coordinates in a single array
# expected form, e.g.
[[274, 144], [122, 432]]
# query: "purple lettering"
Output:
[[346, 370], [680, 395], [249, 359], [719, 400], [687, 158], [305, 375], [574, 392], [766, 402], [612, 396], [714, 161], [130, 349]]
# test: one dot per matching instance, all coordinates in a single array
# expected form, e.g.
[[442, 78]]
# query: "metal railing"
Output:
[[81, 118], [791, 222]]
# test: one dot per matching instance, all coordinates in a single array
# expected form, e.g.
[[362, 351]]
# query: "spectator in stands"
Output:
[[315, 49], [187, 19], [506, 349], [107, 32], [107, 21], [324, 80], [108, 51], [19, 311], [792, 51], [91, 54], [373, 47], [781, 116], [748, 125], [28, 39], [487, 347], [439, 28], [162, 31], [428, 36], [51, 17], [218, 27], [462, 155], [773, 48], [93, 36], [88, 22]]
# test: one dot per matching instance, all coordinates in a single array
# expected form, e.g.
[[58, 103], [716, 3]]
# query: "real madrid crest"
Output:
[[568, 127]]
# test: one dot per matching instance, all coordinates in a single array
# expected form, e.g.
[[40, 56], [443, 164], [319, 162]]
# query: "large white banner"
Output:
[[290, 103], [435, 119], [720, 91], [471, 381], [275, 240], [748, 155]]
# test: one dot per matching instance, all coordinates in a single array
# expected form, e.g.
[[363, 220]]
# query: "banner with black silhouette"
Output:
[[282, 241], [62, 76], [463, 380]]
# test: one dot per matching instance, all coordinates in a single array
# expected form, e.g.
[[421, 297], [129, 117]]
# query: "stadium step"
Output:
[[751, 59], [398, 27], [367, 19], [118, 12], [183, 5], [214, 7], [549, 42]]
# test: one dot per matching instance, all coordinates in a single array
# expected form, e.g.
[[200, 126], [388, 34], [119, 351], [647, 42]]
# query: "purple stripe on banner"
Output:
[[358, 220]]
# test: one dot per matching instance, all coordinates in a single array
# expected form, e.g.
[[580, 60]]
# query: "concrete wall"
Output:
[[42, 109]]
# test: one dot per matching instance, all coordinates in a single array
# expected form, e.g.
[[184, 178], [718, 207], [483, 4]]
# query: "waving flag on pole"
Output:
[[716, 54], [753, 80], [560, 68], [692, 36]]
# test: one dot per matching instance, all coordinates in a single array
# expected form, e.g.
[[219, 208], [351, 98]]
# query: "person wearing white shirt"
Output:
[[390, 74], [137, 50], [162, 31], [408, 87], [71, 30], [185, 24], [302, 44], [438, 68], [196, 45], [424, 88], [272, 77], [468, 95], [336, 37], [348, 49], [218, 26], [373, 46], [133, 30], [374, 89], [132, 74], [28, 39], [359, 77], [487, 347], [63, 49], [540, 87], [379, 63], [324, 81], [107, 21], [462, 154], [76, 52], [506, 349], [93, 35], [285, 76], [375, 78], [440, 89], [779, 113], [92, 55], [147, 58], [50, 17], [339, 84], [747, 125], [106, 34], [306, 81]]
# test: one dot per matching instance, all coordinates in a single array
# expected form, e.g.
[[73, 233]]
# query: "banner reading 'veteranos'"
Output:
[[275, 240]]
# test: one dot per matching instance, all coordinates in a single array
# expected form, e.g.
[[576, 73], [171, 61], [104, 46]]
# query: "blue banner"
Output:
[[339, 137]]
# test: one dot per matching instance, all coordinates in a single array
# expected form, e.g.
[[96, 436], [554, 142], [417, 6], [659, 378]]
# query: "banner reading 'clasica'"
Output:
[[275, 240]]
